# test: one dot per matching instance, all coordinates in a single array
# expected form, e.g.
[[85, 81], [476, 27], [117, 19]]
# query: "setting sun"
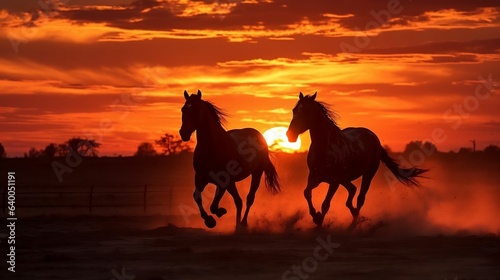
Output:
[[277, 141]]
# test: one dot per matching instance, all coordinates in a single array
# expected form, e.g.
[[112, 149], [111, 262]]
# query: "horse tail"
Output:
[[407, 176], [272, 178]]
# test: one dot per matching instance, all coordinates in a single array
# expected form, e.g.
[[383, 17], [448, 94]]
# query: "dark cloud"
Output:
[[490, 46], [156, 15], [104, 56], [453, 58], [167, 52], [29, 5], [162, 15]]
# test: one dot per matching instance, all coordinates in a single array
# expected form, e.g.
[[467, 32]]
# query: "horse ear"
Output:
[[186, 94], [199, 94], [301, 95], [314, 95]]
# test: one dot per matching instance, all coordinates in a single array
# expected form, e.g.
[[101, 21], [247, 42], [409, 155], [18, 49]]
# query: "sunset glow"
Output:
[[277, 140], [401, 68], [132, 139]]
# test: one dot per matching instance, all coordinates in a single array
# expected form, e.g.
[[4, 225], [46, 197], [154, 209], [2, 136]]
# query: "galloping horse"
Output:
[[224, 157], [340, 156]]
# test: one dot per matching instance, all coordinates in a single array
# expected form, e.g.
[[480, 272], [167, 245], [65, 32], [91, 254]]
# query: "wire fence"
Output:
[[144, 197]]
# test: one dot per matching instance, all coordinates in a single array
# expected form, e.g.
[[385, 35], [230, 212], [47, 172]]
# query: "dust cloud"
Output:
[[460, 195]]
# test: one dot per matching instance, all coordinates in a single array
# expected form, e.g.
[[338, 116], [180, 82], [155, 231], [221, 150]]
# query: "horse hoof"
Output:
[[352, 227], [241, 228], [221, 212], [318, 218], [210, 222]]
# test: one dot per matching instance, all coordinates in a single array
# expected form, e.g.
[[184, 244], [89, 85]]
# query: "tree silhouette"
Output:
[[62, 150], [146, 149], [172, 145], [465, 150], [2, 151], [419, 145], [492, 149], [50, 151], [82, 146], [33, 153]]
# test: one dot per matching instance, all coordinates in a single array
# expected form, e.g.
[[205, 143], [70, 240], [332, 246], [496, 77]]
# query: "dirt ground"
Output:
[[447, 229], [147, 247]]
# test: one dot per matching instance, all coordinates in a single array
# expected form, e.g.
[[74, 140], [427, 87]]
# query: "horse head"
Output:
[[191, 115], [302, 116]]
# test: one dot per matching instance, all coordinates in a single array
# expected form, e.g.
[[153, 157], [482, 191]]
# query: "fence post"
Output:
[[145, 196], [170, 201], [4, 199], [90, 198]]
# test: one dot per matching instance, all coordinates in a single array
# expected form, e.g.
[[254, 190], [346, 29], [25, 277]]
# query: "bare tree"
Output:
[[172, 145], [83, 146]]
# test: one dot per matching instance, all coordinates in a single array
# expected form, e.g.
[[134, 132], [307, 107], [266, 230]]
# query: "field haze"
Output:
[[446, 229]]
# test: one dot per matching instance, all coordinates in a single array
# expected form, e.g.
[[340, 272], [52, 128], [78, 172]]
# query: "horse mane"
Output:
[[331, 115], [218, 114]]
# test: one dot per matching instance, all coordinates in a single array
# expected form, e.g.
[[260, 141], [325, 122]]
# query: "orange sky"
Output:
[[115, 70]]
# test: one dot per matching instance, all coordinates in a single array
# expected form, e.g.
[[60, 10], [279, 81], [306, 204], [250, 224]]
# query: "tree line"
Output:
[[168, 144], [430, 147]]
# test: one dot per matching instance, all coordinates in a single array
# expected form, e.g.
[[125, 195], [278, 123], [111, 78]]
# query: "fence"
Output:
[[94, 198]]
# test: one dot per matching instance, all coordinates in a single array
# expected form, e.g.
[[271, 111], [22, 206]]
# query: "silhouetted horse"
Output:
[[340, 156], [224, 157]]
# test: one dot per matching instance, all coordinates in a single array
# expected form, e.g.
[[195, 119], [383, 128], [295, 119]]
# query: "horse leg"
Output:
[[328, 198], [312, 184], [199, 187], [365, 185], [254, 186], [231, 189], [214, 207], [351, 189]]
